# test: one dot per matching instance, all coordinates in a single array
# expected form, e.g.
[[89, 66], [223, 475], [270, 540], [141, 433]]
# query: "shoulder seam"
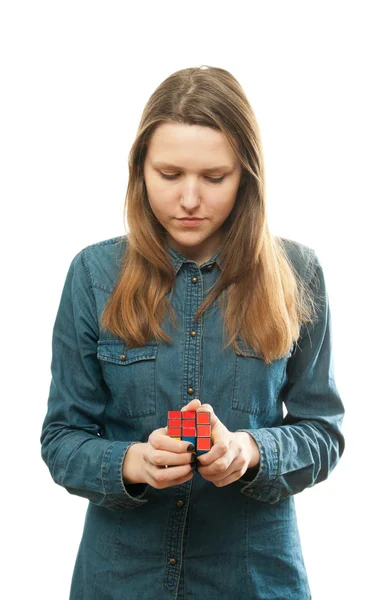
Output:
[[87, 268], [301, 250]]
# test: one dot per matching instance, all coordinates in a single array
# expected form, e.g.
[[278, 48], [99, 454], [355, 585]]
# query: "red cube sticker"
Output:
[[203, 430], [174, 431], [188, 414], [203, 444], [189, 431], [174, 414], [203, 418]]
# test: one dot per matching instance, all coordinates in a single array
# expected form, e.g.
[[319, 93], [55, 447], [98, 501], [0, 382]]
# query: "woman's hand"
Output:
[[231, 455], [145, 462]]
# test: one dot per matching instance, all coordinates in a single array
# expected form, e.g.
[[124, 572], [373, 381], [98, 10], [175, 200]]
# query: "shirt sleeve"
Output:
[[307, 446], [73, 444]]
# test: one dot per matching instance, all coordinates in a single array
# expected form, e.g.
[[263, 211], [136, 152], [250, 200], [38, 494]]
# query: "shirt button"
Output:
[[192, 333], [123, 357], [190, 391], [210, 267], [250, 490], [180, 503], [172, 561], [194, 279]]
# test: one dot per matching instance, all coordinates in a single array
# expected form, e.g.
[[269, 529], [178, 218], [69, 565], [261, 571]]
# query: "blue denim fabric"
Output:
[[238, 541]]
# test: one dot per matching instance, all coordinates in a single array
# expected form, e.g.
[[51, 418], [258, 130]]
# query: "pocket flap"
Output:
[[251, 353], [120, 354]]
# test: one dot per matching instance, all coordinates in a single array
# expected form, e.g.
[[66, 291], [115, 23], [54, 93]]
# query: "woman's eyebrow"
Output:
[[165, 165]]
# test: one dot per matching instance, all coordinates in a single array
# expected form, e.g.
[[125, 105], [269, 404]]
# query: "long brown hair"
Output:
[[255, 265]]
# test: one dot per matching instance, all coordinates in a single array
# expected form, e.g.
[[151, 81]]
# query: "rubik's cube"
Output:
[[191, 426]]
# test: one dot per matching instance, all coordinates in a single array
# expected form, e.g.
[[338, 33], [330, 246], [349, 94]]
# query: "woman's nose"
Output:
[[190, 197]]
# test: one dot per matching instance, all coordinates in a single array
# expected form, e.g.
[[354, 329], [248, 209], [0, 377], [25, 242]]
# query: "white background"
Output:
[[75, 77]]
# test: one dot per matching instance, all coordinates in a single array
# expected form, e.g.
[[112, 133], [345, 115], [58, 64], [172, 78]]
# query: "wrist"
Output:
[[253, 450], [131, 465], [255, 453]]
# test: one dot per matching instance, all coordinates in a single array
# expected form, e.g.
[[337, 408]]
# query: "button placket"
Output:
[[191, 363], [176, 535], [191, 390]]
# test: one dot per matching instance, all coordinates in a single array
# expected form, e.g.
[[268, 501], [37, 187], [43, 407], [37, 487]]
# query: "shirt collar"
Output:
[[178, 259]]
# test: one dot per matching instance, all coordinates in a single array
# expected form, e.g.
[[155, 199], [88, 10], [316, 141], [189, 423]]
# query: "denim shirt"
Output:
[[193, 540]]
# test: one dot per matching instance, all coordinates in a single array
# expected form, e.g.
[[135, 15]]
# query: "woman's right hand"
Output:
[[145, 462]]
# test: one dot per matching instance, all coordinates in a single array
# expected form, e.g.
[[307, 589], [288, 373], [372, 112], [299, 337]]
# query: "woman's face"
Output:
[[191, 171]]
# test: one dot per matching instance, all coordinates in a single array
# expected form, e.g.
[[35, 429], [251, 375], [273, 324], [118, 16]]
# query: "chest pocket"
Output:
[[256, 384], [130, 374]]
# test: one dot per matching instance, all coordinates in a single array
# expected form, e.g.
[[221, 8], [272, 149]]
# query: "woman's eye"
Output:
[[168, 176], [212, 179]]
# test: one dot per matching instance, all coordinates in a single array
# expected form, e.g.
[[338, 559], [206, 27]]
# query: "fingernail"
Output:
[[193, 458], [190, 448]]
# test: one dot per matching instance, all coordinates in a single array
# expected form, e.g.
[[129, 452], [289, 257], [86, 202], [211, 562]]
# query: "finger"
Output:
[[234, 476], [206, 408], [217, 451], [160, 458], [160, 440], [166, 483], [222, 468], [192, 405], [213, 417], [167, 477]]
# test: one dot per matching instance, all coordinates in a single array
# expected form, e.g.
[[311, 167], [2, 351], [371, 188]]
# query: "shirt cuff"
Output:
[[118, 494], [268, 466]]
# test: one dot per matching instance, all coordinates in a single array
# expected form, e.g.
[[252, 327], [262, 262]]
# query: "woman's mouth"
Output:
[[187, 222]]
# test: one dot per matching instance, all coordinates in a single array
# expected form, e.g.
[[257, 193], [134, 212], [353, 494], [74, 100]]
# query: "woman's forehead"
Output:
[[174, 144]]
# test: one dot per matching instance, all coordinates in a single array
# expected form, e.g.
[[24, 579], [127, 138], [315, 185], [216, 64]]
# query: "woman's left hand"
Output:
[[231, 455]]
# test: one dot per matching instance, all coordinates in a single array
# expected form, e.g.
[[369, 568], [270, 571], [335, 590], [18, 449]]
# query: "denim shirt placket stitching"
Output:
[[176, 533]]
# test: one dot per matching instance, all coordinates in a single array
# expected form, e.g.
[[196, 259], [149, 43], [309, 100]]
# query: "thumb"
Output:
[[218, 428], [192, 405], [208, 408]]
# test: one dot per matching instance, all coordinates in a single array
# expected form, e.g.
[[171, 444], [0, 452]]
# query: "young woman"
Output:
[[199, 307]]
